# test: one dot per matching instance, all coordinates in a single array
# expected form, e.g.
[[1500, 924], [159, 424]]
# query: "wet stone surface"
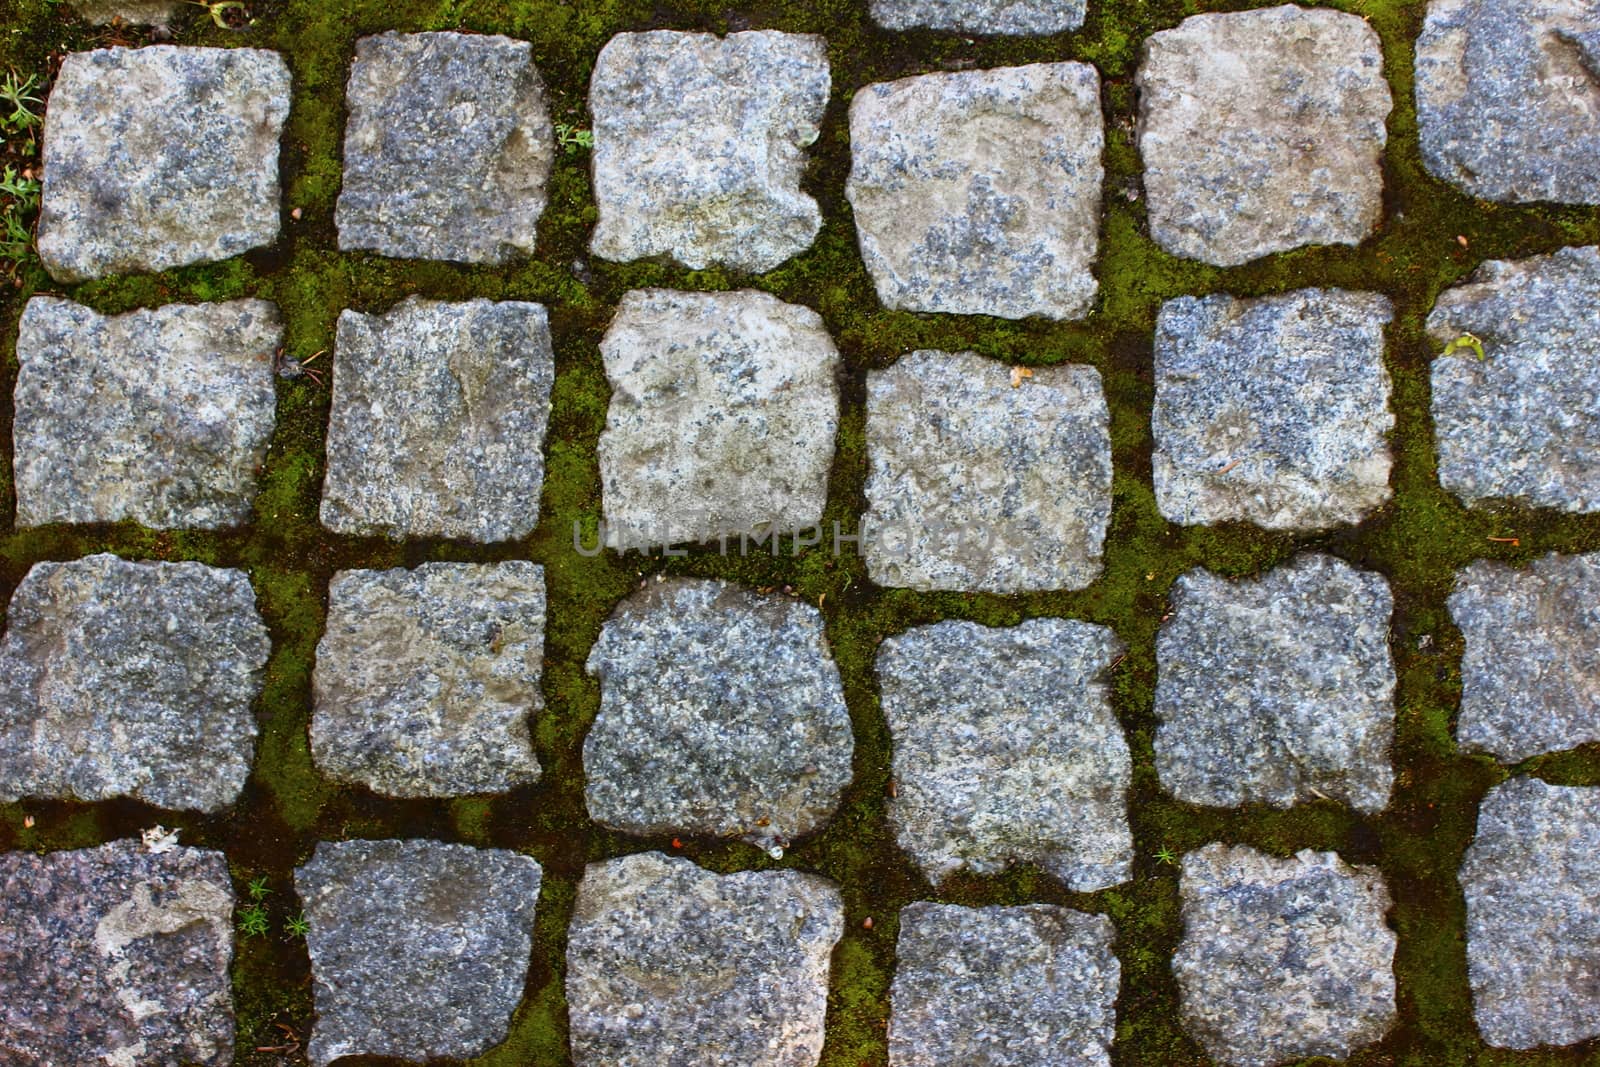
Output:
[[978, 192], [419, 949], [122, 679], [159, 157], [983, 479], [723, 412], [1032, 986], [671, 964], [439, 418], [1016, 17], [1532, 886], [1035, 771], [1262, 131], [1521, 423], [1273, 411], [159, 416], [721, 713], [127, 12], [1530, 675], [116, 957], [1507, 94], [699, 143], [447, 148], [1283, 958], [425, 680], [1279, 689]]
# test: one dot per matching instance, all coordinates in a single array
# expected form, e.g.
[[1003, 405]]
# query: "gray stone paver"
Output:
[[1025, 17]]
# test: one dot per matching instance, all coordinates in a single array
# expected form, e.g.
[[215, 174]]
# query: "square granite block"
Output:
[[1017, 17]]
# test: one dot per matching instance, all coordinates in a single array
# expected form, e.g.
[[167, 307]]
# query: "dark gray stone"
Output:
[[1532, 886], [1034, 771], [981, 16], [1508, 98], [438, 423], [1283, 959], [160, 157], [419, 949], [699, 142], [671, 964], [721, 713], [161, 416], [116, 957], [426, 679], [1277, 690], [122, 679], [1262, 131], [1273, 410], [1032, 986], [978, 192], [1522, 423], [447, 148]]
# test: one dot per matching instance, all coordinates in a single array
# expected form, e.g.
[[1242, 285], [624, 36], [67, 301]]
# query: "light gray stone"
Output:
[[1508, 98], [439, 418], [1530, 675], [127, 12], [1034, 771], [426, 679], [419, 949], [122, 679], [1262, 131], [160, 416], [1279, 689], [1273, 410], [116, 957], [1523, 422], [1032, 986], [981, 16], [721, 713], [699, 142], [1532, 884], [447, 148], [722, 419], [160, 157], [671, 964], [982, 480], [1283, 959], [978, 192]]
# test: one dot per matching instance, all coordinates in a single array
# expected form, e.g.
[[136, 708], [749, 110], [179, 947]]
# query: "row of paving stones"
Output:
[[973, 192], [119, 954], [725, 406], [722, 712]]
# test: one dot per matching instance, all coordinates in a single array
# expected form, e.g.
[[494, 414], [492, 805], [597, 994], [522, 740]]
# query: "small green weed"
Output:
[[296, 926], [573, 139], [18, 94], [253, 921], [258, 888]]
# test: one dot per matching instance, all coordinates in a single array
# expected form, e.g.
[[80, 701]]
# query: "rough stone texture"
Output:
[[721, 713], [978, 192], [699, 145], [671, 964], [722, 419], [1532, 885], [447, 148], [438, 423], [1279, 689], [1029, 17], [1283, 959], [1530, 676], [1274, 410], [1508, 93], [977, 484], [419, 949], [116, 957], [987, 775], [162, 416], [1523, 423], [1262, 131], [425, 679], [1033, 986], [122, 679], [127, 12], [159, 157]]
